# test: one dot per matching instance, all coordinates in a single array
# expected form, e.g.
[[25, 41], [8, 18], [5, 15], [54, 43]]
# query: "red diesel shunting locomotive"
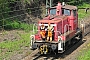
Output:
[[59, 29]]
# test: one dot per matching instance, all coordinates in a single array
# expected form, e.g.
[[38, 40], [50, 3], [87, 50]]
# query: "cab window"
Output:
[[74, 12], [66, 12], [52, 11]]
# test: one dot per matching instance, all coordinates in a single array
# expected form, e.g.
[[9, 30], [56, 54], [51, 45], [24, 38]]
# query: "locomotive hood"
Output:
[[53, 19]]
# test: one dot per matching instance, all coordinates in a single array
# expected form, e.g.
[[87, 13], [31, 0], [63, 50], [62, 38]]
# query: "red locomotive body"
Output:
[[64, 22]]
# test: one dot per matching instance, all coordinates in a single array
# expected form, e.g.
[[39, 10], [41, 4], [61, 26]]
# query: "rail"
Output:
[[32, 55]]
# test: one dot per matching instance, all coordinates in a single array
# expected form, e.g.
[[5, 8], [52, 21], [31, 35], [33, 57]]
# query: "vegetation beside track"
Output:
[[8, 47], [85, 53], [18, 25], [82, 12]]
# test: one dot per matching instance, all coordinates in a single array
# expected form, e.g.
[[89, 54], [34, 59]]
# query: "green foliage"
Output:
[[25, 26], [85, 53], [81, 12], [18, 25], [30, 1], [84, 5], [5, 16], [85, 57], [13, 46]]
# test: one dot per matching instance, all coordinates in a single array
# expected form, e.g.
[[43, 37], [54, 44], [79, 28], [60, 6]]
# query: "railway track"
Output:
[[36, 56], [52, 56], [87, 29], [33, 55]]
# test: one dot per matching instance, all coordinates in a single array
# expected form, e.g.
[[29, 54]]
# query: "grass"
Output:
[[7, 48], [85, 52], [81, 12], [17, 25]]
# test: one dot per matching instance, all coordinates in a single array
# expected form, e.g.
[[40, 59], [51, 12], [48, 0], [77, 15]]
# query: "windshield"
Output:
[[52, 11], [66, 12]]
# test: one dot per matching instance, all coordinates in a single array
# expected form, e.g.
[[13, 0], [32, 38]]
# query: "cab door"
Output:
[[75, 19]]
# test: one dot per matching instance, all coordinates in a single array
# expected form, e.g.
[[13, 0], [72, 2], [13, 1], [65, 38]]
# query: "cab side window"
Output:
[[67, 12], [74, 12], [52, 11]]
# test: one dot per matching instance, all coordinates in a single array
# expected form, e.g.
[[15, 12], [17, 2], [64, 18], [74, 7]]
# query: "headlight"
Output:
[[53, 46], [35, 46]]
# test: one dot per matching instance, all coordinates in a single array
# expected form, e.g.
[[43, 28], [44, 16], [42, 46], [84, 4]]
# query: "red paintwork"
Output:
[[60, 20]]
